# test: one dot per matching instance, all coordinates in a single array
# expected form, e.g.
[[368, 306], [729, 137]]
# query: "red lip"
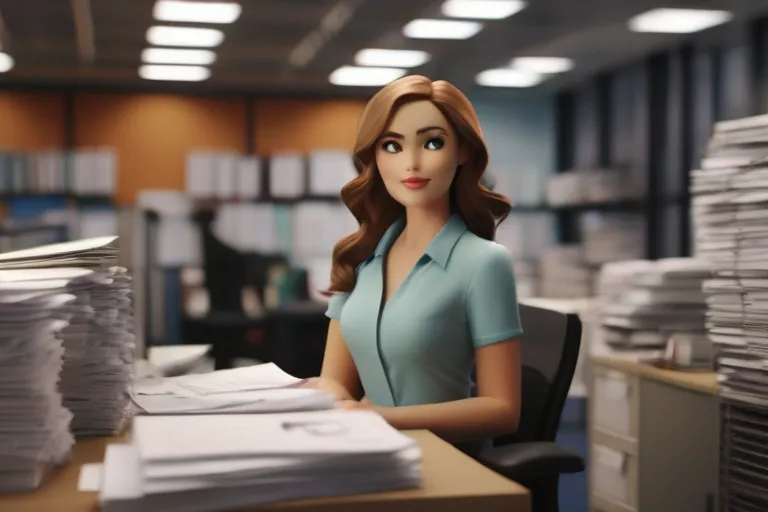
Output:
[[415, 183]]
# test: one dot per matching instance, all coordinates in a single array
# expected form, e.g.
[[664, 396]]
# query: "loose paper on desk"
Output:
[[286, 175], [170, 359], [249, 378], [90, 477], [255, 389]]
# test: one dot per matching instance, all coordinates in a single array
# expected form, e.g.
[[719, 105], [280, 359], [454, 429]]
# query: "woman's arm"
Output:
[[339, 374], [495, 412]]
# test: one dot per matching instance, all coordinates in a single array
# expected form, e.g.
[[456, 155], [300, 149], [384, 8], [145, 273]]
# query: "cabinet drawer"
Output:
[[614, 475], [615, 402]]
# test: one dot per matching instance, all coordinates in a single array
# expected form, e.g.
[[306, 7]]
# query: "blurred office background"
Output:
[[214, 141]]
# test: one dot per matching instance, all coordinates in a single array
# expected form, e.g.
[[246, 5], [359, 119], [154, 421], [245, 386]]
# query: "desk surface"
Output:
[[703, 382], [452, 482]]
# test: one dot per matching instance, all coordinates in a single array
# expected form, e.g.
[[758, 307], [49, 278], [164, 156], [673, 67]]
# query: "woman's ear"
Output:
[[463, 154]]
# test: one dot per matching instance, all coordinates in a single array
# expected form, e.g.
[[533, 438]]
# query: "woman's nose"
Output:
[[414, 164]]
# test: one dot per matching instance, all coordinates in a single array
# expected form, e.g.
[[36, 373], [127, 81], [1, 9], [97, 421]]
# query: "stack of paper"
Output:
[[645, 303], [730, 218], [590, 186], [224, 462], [34, 426], [612, 236], [565, 274], [99, 340], [263, 388]]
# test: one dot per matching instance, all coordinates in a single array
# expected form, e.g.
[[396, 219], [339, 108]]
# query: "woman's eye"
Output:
[[391, 147], [434, 144]]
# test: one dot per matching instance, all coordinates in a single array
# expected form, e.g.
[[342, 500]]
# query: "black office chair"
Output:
[[226, 326], [550, 348]]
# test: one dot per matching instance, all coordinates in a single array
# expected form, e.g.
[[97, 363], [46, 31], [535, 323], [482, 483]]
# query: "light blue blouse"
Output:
[[419, 348]]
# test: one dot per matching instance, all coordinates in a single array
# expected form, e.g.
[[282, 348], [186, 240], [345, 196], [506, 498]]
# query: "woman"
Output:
[[421, 293]]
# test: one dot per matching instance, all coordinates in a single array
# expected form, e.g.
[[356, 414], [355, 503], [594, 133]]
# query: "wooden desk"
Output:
[[452, 482], [703, 382]]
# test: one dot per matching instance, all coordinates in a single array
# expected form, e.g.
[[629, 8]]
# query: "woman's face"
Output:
[[417, 155]]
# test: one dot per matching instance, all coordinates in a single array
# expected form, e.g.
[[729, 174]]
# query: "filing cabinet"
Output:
[[653, 438]]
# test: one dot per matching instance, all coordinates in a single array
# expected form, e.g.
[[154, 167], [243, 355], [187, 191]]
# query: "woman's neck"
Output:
[[422, 225]]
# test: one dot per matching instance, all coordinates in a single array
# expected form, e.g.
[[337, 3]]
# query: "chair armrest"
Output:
[[524, 460]]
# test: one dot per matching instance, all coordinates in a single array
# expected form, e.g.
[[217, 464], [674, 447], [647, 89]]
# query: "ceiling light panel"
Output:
[[504, 77], [174, 73], [6, 63], [482, 9], [177, 56], [365, 76], [678, 21], [542, 65], [441, 29], [391, 58], [197, 12], [184, 36]]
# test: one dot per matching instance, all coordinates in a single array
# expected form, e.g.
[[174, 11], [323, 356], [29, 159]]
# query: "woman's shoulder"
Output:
[[479, 249]]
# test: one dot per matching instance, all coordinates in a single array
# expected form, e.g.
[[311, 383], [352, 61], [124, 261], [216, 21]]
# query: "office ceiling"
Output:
[[273, 47]]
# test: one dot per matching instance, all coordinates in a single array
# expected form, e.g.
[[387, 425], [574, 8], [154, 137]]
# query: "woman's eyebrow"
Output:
[[395, 135], [430, 128]]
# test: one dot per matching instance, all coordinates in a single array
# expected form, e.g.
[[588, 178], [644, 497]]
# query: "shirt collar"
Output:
[[441, 247]]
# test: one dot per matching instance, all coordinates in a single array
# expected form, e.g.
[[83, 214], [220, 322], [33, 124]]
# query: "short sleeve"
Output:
[[336, 305], [492, 309]]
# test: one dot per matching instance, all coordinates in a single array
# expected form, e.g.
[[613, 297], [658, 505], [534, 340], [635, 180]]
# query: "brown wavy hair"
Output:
[[367, 198]]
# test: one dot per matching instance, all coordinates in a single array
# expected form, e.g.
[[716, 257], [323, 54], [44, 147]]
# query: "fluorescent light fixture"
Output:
[[6, 62], [176, 56], [542, 65], [184, 36], [174, 73], [197, 12], [505, 77], [482, 9], [364, 77], [391, 58], [678, 21], [441, 29]]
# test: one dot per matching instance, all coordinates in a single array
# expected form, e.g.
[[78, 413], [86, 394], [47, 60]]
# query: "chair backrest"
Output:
[[549, 352], [223, 267]]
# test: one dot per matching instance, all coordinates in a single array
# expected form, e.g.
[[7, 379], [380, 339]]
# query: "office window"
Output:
[[587, 129], [734, 82]]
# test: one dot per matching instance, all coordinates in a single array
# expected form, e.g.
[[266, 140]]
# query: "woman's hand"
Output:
[[363, 404], [330, 386]]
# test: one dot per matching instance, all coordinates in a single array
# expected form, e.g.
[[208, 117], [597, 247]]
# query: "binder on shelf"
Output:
[[287, 176], [329, 170], [55, 173], [223, 176]]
